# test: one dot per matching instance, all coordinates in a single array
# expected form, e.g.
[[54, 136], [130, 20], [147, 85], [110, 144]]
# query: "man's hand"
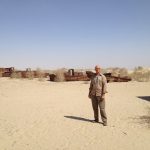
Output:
[[90, 96], [103, 96]]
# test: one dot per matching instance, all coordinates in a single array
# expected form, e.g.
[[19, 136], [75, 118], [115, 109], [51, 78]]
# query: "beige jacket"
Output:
[[98, 85]]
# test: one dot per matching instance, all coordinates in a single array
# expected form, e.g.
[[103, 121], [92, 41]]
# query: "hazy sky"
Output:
[[74, 33]]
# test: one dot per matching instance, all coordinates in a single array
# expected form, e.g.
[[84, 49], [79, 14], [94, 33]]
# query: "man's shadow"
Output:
[[80, 119]]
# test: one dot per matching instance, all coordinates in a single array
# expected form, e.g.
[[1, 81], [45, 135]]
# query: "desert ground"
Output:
[[44, 115]]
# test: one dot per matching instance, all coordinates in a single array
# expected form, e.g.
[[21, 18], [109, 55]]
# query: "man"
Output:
[[97, 92]]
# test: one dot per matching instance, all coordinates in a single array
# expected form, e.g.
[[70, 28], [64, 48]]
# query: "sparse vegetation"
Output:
[[40, 74], [122, 72], [60, 75], [30, 75], [140, 74], [145, 119], [16, 75]]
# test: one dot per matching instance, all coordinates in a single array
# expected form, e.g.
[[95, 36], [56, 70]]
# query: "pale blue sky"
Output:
[[74, 33]]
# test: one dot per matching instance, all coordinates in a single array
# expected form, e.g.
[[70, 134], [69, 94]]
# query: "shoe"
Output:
[[105, 124], [95, 121]]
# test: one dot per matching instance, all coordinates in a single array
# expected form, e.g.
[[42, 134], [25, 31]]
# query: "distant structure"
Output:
[[71, 75], [6, 72]]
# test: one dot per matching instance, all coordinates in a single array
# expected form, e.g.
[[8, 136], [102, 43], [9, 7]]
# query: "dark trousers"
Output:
[[97, 102]]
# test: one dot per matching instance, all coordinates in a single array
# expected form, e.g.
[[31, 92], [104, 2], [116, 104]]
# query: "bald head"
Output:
[[97, 69]]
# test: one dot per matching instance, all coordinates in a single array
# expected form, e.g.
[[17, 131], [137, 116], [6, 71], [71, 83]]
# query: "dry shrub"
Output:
[[40, 74], [146, 118], [30, 75], [16, 75], [140, 74], [122, 72], [60, 75]]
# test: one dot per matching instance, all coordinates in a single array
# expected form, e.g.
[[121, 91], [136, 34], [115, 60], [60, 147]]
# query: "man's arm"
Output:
[[104, 88], [90, 89]]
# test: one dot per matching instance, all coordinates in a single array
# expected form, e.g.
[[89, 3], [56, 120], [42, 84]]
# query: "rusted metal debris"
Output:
[[71, 75], [7, 72], [110, 77]]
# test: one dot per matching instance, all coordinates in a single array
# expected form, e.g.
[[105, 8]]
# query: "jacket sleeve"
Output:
[[104, 85], [90, 89]]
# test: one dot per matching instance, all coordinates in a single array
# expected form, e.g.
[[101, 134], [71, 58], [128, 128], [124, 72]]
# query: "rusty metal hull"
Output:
[[6, 72], [110, 77], [76, 78]]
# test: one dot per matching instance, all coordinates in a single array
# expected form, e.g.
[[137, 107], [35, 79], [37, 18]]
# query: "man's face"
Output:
[[97, 70]]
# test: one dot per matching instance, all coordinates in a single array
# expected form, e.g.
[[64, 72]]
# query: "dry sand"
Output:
[[45, 115]]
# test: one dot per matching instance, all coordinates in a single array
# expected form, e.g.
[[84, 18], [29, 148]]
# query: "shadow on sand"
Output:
[[80, 119], [146, 98]]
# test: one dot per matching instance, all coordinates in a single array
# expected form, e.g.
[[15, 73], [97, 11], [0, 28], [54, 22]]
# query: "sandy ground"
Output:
[[45, 115]]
